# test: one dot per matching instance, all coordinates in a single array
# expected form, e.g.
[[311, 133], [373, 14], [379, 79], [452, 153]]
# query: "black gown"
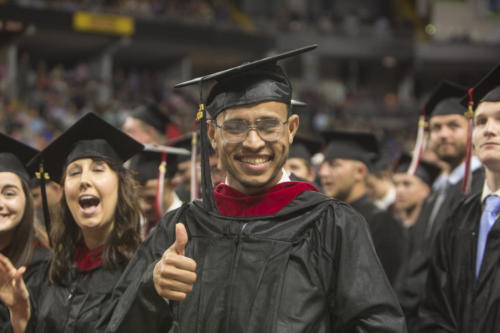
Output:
[[411, 281], [454, 301], [309, 268], [40, 258], [72, 309], [387, 234]]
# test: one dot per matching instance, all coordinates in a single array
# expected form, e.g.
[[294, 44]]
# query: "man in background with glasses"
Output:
[[259, 253]]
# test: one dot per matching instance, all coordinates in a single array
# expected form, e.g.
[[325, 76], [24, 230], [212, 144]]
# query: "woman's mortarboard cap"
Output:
[[14, 156], [445, 100], [89, 137], [426, 171], [359, 146]]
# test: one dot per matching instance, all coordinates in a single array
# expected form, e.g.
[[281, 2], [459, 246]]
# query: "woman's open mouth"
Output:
[[88, 204]]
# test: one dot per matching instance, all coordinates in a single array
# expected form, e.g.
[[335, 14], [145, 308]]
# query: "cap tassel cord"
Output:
[[43, 176], [160, 187], [194, 174], [469, 115], [419, 144]]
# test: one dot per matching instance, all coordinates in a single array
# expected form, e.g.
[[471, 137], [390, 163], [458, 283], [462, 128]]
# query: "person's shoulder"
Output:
[[465, 214], [342, 214]]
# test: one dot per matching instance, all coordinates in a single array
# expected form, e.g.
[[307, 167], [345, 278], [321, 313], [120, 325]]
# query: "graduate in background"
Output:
[[156, 191], [462, 292], [92, 240], [448, 138], [379, 184], [149, 125], [299, 162], [348, 156], [188, 167], [23, 246], [411, 190], [54, 194]]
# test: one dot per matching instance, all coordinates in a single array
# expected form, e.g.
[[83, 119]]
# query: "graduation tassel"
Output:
[[207, 188], [159, 189], [194, 175], [42, 175], [469, 115], [419, 144]]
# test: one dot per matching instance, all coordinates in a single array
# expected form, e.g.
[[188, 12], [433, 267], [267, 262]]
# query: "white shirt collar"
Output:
[[285, 176], [387, 200], [176, 202], [440, 181], [458, 173]]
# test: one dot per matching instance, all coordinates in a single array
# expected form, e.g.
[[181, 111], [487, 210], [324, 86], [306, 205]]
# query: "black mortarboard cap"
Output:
[[297, 103], [14, 155], [89, 137], [426, 171], [487, 90], [381, 164], [151, 115], [253, 82], [146, 164], [445, 100], [304, 147], [359, 146]]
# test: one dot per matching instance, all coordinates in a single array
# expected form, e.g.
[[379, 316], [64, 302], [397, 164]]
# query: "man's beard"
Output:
[[453, 158]]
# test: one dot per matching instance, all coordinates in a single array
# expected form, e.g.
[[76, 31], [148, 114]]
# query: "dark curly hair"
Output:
[[121, 242]]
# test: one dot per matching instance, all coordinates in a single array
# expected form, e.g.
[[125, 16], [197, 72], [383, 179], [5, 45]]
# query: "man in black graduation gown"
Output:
[[448, 138], [343, 174], [463, 287], [260, 253], [154, 173]]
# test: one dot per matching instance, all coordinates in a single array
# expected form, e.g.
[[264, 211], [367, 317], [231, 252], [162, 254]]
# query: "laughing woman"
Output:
[[18, 240], [92, 240]]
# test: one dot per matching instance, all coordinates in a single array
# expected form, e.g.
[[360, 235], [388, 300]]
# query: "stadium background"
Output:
[[376, 62]]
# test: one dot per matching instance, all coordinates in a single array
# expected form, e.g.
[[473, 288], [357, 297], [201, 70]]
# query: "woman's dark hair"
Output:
[[121, 242], [21, 245]]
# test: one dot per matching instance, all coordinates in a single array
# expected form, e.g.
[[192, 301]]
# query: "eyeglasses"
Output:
[[236, 130]]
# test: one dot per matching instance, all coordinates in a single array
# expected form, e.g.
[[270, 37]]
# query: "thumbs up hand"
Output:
[[174, 275]]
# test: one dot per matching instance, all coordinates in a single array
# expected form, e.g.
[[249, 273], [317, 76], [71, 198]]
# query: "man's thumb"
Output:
[[181, 238]]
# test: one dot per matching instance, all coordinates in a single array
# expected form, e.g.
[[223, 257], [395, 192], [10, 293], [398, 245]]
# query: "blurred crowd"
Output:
[[50, 99], [353, 18], [191, 11]]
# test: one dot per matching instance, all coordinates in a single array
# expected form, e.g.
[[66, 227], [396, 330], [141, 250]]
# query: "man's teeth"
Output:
[[258, 160]]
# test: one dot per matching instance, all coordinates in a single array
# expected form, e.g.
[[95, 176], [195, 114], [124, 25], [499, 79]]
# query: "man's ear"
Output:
[[293, 126], [361, 170], [211, 133]]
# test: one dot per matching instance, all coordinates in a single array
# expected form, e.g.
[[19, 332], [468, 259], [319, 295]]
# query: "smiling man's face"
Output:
[[254, 164]]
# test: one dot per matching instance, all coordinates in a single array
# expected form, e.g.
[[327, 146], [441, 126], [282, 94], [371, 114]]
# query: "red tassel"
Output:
[[159, 189], [466, 182], [419, 144], [194, 173]]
